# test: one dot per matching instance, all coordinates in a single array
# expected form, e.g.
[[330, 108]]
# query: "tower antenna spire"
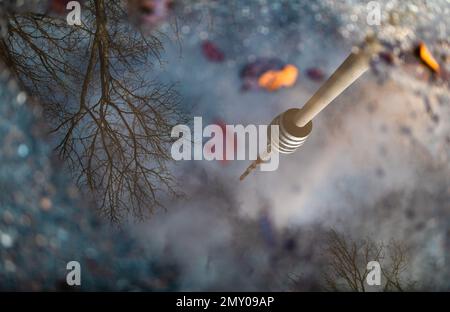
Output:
[[295, 124]]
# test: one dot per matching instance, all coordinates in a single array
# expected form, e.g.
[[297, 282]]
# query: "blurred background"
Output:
[[86, 172]]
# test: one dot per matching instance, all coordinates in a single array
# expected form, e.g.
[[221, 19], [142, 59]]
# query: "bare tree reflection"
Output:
[[348, 259], [113, 121]]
